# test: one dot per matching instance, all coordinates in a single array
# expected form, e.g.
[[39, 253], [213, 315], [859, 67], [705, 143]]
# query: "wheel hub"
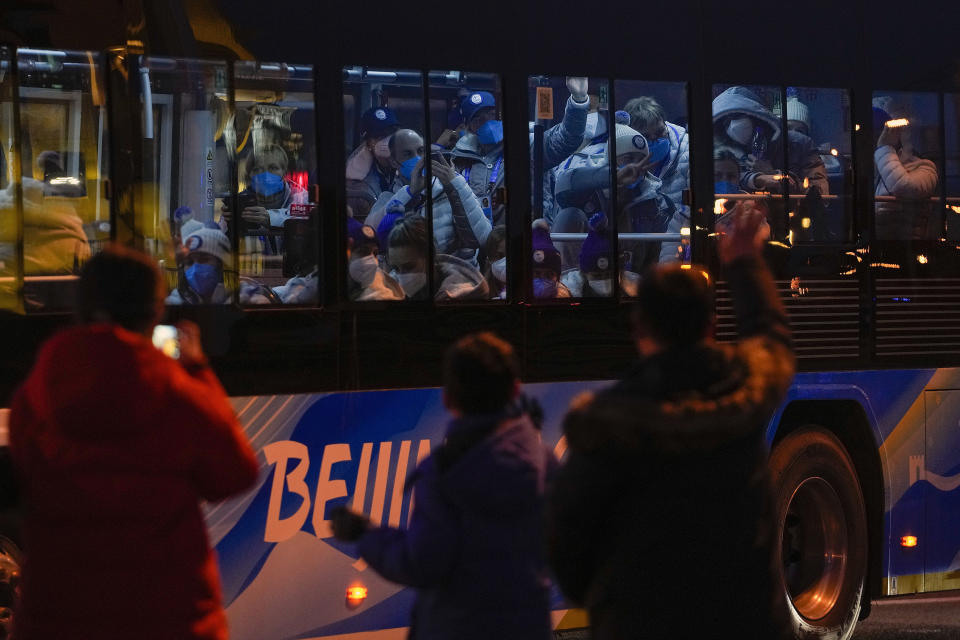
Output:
[[815, 548]]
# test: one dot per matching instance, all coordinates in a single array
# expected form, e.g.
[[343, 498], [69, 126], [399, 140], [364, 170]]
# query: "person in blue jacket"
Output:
[[474, 546]]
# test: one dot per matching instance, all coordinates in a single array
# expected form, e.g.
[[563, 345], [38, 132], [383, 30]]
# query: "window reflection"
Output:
[[63, 160], [906, 126], [569, 124], [653, 158], [276, 174], [188, 153]]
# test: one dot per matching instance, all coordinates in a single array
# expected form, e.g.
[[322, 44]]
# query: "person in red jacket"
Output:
[[114, 445]]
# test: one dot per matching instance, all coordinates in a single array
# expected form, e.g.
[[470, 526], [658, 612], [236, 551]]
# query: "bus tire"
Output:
[[822, 528]]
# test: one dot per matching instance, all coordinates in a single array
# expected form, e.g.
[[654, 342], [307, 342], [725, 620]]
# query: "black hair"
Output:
[[674, 305], [119, 285], [479, 373]]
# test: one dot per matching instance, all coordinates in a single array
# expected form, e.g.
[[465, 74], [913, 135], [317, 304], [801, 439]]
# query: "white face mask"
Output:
[[601, 286], [364, 270], [411, 283], [499, 269], [741, 130]]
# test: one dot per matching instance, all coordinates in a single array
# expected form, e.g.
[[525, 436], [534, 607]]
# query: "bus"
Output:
[[150, 125]]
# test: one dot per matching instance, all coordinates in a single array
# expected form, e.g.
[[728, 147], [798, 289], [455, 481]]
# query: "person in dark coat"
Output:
[[660, 520], [114, 445], [474, 547]]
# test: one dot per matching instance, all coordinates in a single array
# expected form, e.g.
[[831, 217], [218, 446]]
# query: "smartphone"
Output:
[[167, 339]]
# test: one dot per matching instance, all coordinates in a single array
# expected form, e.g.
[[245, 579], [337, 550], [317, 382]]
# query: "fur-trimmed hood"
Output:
[[694, 399]]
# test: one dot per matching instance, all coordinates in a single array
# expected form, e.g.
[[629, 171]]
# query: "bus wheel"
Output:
[[822, 526], [10, 562]]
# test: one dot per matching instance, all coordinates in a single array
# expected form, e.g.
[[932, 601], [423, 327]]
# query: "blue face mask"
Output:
[[725, 186], [266, 183], [543, 288], [490, 132], [203, 278], [408, 165], [659, 149]]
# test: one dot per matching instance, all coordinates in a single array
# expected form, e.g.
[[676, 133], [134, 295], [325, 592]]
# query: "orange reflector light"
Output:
[[908, 541], [356, 596]]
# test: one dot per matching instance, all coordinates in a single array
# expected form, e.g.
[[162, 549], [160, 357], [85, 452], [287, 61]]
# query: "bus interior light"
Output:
[[908, 541], [897, 122]]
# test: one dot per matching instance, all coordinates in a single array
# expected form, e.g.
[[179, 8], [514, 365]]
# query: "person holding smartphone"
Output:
[[114, 445]]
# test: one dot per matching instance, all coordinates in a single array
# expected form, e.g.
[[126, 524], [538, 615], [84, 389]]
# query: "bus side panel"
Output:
[[283, 574]]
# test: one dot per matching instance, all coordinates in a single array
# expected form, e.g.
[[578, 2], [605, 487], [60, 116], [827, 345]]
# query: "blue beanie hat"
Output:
[[545, 255], [596, 254], [361, 234], [474, 101], [378, 122]]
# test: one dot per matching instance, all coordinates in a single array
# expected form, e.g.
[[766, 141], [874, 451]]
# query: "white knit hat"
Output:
[[798, 111], [629, 140], [210, 241]]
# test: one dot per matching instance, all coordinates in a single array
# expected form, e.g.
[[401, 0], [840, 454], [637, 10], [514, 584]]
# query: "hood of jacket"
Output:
[[91, 380], [505, 473], [693, 399], [468, 146], [740, 100], [458, 279]]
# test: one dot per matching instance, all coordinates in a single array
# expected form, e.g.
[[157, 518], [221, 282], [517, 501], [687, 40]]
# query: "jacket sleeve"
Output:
[[765, 341], [422, 555], [919, 183], [224, 462], [562, 140], [478, 222], [573, 184]]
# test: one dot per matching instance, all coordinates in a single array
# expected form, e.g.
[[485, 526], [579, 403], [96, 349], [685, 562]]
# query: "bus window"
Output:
[[384, 135], [907, 209], [10, 274], [820, 135], [469, 185], [276, 178], [572, 238], [951, 126], [189, 145], [63, 161], [653, 223]]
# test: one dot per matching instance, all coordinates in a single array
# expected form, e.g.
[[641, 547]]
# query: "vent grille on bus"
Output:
[[917, 316], [824, 317]]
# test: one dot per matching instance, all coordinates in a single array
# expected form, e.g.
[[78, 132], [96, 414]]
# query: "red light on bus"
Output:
[[355, 596], [908, 541]]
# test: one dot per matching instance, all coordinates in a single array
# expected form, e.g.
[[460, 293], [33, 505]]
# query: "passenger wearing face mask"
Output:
[[594, 277], [908, 178], [370, 168], [408, 257], [459, 225], [478, 155], [546, 264], [496, 271], [367, 281], [673, 169], [266, 200], [741, 121], [207, 254], [583, 189]]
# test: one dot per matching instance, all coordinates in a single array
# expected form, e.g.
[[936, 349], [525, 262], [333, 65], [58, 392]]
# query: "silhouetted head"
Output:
[[480, 374], [121, 286], [674, 308]]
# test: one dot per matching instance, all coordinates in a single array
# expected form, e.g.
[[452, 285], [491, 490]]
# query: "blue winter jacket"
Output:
[[474, 546]]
